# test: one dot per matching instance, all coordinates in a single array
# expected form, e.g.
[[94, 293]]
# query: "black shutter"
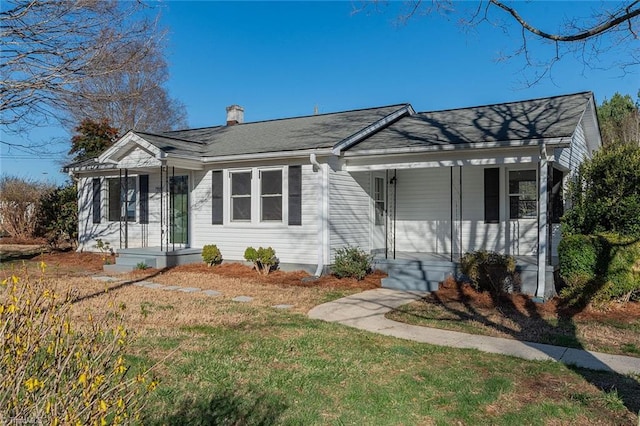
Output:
[[95, 205], [144, 198], [295, 195], [216, 198], [492, 195], [557, 205]]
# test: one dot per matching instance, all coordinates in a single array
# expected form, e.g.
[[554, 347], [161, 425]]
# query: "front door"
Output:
[[379, 213], [179, 210]]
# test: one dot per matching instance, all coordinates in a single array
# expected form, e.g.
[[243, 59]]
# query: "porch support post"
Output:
[[126, 208], [543, 225]]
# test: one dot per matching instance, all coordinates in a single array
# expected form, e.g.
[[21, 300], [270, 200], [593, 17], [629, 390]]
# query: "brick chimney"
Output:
[[235, 115]]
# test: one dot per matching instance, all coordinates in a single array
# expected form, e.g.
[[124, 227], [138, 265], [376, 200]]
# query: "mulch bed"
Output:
[[451, 291]]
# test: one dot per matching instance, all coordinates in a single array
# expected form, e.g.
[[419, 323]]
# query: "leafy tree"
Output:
[[605, 193], [92, 138], [619, 120], [58, 215]]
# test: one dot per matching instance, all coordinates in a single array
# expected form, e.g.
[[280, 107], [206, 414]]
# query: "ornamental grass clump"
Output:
[[56, 370]]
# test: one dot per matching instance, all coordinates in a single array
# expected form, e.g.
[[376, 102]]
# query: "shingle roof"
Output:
[[526, 120], [544, 118], [288, 134]]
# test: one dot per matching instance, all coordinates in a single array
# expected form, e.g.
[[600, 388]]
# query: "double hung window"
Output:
[[270, 195], [122, 199], [523, 194], [241, 196]]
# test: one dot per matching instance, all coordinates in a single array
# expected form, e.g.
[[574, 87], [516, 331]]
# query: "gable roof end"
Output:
[[354, 139]]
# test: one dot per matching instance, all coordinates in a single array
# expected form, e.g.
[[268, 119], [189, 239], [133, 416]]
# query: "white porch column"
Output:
[[543, 226]]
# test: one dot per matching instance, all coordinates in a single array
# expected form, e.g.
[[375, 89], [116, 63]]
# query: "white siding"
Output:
[[293, 244], [350, 210], [424, 213], [576, 153], [423, 210]]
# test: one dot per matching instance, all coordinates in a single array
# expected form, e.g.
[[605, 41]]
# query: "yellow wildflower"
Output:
[[102, 405], [82, 379], [33, 384]]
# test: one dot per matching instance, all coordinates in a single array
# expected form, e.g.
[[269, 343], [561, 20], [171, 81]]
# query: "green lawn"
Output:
[[278, 367]]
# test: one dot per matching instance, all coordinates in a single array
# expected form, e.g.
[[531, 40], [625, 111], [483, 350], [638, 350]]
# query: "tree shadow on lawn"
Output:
[[226, 408], [525, 315]]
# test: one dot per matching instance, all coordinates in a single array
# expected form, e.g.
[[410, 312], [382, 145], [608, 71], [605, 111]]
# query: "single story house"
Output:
[[403, 185]]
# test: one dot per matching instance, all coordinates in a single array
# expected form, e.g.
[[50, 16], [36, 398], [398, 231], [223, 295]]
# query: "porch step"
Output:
[[132, 260], [409, 284], [118, 269], [414, 274]]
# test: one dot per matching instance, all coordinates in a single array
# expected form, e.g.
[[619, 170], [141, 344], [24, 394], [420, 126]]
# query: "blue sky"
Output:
[[283, 59]]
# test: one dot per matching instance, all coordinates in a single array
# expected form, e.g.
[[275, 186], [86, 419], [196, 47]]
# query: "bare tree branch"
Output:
[[617, 18], [51, 46]]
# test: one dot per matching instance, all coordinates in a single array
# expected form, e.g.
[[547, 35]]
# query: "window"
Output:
[[492, 195], [271, 195], [295, 195], [241, 196], [118, 193], [216, 198], [378, 200], [95, 205], [523, 192]]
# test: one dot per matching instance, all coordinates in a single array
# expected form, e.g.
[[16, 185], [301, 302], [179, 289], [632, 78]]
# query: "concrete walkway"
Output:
[[366, 311]]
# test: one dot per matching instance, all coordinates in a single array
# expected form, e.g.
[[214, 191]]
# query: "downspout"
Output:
[[320, 220]]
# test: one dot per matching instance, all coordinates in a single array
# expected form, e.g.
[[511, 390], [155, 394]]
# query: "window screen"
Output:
[[241, 196], [271, 195], [523, 194]]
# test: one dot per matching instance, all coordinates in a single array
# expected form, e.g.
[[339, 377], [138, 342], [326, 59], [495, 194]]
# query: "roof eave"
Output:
[[560, 142], [267, 155]]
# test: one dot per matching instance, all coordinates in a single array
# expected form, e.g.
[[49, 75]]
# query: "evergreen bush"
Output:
[[351, 262], [490, 271], [264, 259], [211, 255]]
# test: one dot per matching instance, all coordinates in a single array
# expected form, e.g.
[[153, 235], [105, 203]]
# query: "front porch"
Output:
[[415, 271]]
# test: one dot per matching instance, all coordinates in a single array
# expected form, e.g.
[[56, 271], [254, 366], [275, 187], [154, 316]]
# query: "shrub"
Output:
[[58, 216], [351, 262], [605, 193], [264, 259], [599, 268], [490, 271], [141, 266], [211, 255], [55, 371]]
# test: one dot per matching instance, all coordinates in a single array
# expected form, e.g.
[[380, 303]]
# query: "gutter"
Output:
[[320, 220], [266, 155], [561, 142]]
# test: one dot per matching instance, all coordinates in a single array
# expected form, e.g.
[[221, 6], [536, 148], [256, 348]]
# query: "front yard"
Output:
[[226, 362]]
